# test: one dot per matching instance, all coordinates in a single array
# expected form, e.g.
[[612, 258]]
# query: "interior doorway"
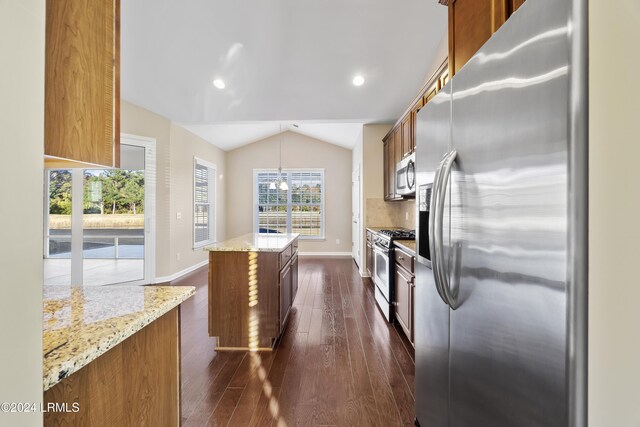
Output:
[[99, 223]]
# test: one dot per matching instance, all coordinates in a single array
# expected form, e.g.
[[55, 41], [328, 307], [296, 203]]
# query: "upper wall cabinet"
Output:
[[471, 23], [401, 139], [82, 83]]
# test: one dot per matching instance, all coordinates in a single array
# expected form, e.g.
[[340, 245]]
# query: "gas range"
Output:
[[385, 238], [384, 267]]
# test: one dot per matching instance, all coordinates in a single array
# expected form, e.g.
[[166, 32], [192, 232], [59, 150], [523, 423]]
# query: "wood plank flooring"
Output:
[[338, 363]]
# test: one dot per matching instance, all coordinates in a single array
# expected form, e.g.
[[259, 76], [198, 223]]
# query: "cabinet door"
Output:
[[294, 278], [82, 87], [431, 92], [414, 111], [407, 141], [412, 306], [403, 282], [369, 258], [391, 167], [443, 79], [514, 5], [471, 23], [385, 167], [285, 294]]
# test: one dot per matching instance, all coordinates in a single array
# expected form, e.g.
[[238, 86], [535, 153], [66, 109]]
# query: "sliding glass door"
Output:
[[95, 225]]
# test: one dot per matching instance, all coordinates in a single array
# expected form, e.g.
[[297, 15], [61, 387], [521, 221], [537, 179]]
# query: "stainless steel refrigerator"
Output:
[[500, 307]]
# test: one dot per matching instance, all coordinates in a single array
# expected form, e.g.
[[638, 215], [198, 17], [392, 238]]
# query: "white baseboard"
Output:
[[181, 273], [327, 254]]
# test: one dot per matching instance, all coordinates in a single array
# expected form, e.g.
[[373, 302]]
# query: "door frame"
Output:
[[356, 218], [149, 144]]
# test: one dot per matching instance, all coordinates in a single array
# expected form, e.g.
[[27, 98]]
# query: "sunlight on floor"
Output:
[[254, 344], [97, 272]]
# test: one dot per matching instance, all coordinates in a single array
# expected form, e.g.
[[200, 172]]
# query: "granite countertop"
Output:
[[82, 323], [408, 245], [254, 242]]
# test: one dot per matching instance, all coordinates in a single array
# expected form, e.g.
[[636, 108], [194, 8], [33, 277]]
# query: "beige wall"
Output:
[[614, 204], [372, 158], [298, 151], [184, 146], [442, 52], [22, 29], [357, 201], [138, 121], [175, 149]]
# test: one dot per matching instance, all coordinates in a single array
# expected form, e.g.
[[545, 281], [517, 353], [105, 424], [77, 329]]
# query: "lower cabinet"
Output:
[[135, 383], [288, 285], [404, 279], [294, 278]]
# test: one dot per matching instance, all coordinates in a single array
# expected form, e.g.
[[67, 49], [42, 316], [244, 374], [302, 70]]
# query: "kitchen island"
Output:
[[253, 280], [115, 352]]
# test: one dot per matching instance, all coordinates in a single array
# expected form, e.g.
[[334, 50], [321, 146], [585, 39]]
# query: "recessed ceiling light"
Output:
[[219, 84], [358, 80]]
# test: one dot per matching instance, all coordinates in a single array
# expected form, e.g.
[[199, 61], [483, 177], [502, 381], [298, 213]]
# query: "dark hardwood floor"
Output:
[[338, 362]]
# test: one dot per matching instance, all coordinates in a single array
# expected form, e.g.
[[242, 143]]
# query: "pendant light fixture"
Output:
[[280, 183]]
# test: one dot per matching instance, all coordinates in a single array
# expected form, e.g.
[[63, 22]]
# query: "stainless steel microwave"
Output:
[[406, 176]]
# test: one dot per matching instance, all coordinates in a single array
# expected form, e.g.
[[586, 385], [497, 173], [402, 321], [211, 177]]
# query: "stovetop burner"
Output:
[[399, 234]]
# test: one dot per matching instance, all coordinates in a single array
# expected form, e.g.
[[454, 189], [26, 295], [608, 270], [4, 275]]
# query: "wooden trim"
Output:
[[116, 86]]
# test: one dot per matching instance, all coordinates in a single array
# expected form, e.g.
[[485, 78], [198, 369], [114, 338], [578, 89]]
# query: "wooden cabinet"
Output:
[[414, 119], [471, 23], [245, 285], [137, 382], [407, 141], [404, 281], [294, 275], [390, 153], [401, 139], [514, 5], [288, 283], [285, 294], [397, 150], [82, 83], [369, 253]]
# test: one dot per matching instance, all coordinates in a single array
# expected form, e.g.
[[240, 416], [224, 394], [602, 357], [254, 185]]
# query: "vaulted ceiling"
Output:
[[288, 61]]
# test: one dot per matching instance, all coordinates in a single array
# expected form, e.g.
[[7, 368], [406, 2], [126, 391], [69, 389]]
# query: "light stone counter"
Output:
[[82, 323], [254, 242], [407, 245]]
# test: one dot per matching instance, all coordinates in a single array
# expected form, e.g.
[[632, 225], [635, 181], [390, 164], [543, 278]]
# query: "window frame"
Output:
[[213, 170], [289, 205]]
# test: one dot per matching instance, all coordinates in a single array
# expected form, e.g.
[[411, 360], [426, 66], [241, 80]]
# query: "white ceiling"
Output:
[[233, 135], [282, 61]]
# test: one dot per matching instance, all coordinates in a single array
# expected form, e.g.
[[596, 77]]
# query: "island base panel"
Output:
[[135, 383]]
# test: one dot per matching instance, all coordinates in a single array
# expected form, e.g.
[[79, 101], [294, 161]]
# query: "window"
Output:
[[204, 177], [297, 207]]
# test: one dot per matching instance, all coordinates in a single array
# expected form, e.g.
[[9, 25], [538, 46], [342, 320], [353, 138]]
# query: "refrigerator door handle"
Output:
[[433, 241], [440, 270]]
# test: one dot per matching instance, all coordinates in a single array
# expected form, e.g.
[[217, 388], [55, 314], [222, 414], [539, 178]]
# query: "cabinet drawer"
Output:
[[294, 247], [285, 256], [404, 259]]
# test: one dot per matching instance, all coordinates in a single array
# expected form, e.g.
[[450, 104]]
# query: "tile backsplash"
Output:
[[390, 214]]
